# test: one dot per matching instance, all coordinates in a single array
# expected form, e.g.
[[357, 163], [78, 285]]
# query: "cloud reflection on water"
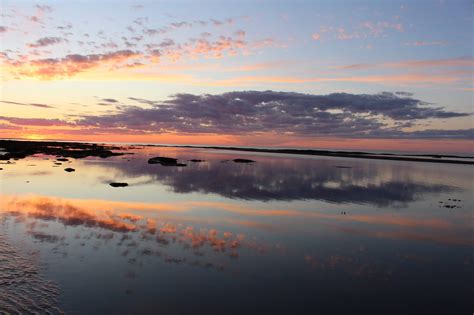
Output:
[[284, 179]]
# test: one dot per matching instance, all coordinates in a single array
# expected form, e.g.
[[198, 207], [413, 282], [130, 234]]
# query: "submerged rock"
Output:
[[69, 169], [165, 161], [243, 161], [118, 184], [196, 160], [62, 159]]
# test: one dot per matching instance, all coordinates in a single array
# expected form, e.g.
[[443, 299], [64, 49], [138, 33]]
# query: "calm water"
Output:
[[286, 234]]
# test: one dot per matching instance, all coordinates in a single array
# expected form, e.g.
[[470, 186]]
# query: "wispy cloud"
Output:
[[364, 30], [28, 104], [418, 79], [427, 43]]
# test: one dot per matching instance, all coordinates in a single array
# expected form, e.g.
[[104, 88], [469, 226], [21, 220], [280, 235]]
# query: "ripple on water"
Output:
[[23, 290]]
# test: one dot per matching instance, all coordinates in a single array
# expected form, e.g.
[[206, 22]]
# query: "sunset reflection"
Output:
[[316, 221]]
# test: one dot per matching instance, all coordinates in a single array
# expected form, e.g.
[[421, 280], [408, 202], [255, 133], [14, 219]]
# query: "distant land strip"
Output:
[[432, 158], [22, 148]]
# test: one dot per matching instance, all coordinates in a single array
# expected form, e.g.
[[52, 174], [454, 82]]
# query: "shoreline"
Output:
[[21, 147]]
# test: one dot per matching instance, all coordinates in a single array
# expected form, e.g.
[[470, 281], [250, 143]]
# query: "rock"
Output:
[[62, 159], [118, 184], [165, 161], [69, 169], [243, 161], [58, 163], [196, 160]]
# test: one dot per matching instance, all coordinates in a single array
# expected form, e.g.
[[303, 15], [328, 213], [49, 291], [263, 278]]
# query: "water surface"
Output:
[[286, 234]]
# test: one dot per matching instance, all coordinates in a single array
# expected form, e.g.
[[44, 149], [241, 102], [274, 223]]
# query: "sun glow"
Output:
[[34, 137]]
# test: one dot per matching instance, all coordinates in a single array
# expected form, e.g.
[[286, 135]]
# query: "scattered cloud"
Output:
[[427, 43], [47, 41], [364, 30], [151, 54], [377, 29]]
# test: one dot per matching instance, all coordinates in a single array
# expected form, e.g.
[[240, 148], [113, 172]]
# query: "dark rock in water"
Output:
[[165, 161], [342, 166], [69, 169], [62, 159], [196, 160], [1, 169], [118, 184], [243, 161], [162, 160], [57, 163]]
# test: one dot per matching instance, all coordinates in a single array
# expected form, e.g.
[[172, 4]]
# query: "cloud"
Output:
[[247, 112], [109, 100], [182, 24], [437, 134], [28, 104], [377, 29], [43, 8], [47, 41], [384, 115], [44, 122], [451, 62], [69, 65], [425, 43], [404, 79], [364, 30], [20, 66], [460, 62]]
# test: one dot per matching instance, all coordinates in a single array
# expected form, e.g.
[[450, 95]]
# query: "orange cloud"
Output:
[[68, 66]]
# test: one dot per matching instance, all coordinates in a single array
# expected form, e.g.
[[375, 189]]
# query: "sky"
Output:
[[375, 75]]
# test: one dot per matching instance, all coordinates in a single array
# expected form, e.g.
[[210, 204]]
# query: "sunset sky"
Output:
[[380, 75]]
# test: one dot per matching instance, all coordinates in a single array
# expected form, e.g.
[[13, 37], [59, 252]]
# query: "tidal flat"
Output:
[[181, 230]]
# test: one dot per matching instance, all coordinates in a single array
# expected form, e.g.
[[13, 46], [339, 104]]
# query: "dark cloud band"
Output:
[[240, 113]]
